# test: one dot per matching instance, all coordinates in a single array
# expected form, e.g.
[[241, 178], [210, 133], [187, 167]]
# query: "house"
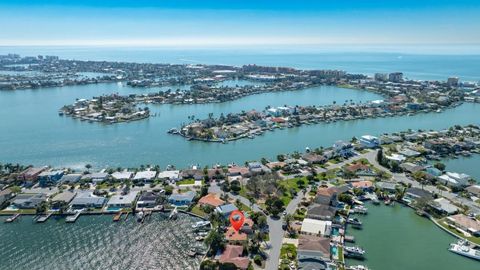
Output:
[[387, 186], [397, 158], [433, 172], [195, 174], [87, 200], [443, 206], [238, 171], [313, 158], [182, 199], [365, 185], [122, 200], [30, 175], [410, 167], [369, 141], [455, 179], [235, 237], [321, 212], [145, 176], [173, 175], [257, 168], [276, 165], [49, 178], [465, 223], [313, 253], [316, 227], [474, 190], [6, 195], [70, 178], [326, 196], [211, 200], [343, 149], [147, 199], [96, 177], [29, 201], [215, 174], [63, 198], [226, 209], [409, 153], [124, 175], [412, 194], [233, 254], [360, 169]]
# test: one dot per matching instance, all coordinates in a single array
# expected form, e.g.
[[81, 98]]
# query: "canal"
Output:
[[395, 238]]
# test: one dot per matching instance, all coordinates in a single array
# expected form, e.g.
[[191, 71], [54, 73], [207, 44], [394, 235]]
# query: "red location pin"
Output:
[[236, 219]]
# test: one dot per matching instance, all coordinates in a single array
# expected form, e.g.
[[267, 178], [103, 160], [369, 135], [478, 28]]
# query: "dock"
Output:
[[73, 218], [117, 217], [12, 218], [349, 238], [173, 214], [43, 218]]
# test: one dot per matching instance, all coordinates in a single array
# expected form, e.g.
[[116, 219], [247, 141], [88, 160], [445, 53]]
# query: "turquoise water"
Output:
[[96, 242], [414, 66], [395, 238]]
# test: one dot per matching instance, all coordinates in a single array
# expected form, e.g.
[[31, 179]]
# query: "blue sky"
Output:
[[240, 23]]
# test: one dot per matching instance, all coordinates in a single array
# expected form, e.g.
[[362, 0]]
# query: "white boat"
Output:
[[140, 216], [354, 252], [462, 249], [357, 267], [360, 209], [200, 224]]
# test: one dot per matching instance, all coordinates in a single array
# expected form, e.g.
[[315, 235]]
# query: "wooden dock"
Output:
[[117, 217]]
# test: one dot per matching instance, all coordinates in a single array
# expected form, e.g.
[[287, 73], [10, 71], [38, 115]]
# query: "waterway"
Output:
[[468, 165], [395, 238], [95, 242]]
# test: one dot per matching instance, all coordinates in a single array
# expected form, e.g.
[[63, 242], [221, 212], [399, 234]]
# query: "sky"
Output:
[[210, 23]]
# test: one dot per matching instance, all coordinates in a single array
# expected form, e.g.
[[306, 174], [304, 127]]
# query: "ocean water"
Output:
[[96, 242]]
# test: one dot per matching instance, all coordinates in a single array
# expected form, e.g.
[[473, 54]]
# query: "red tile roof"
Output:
[[232, 254], [211, 199]]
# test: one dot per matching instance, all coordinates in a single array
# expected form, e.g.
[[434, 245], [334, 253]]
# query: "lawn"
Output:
[[198, 211], [473, 239], [291, 184], [186, 182], [242, 207]]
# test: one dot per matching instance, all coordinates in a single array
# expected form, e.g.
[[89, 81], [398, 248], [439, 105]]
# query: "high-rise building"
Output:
[[395, 77]]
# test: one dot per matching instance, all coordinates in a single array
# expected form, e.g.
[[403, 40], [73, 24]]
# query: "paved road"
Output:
[[275, 225]]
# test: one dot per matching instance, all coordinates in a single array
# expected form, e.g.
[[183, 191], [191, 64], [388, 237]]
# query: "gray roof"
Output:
[[187, 196], [88, 199], [71, 178], [66, 196], [227, 208]]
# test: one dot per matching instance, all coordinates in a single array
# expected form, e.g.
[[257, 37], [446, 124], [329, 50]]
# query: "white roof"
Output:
[[396, 157], [315, 226], [122, 175], [446, 205], [369, 137], [169, 174], [145, 175], [123, 199]]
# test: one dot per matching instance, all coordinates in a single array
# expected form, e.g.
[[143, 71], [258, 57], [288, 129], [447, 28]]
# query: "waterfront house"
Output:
[[86, 199], [148, 199], [387, 186], [316, 227], [124, 175], [30, 175], [215, 174], [313, 252], [6, 195], [70, 178], [409, 153], [360, 169], [145, 176], [96, 177], [412, 194], [122, 200], [256, 168], [369, 141], [182, 199], [433, 172], [343, 149], [49, 178], [173, 175], [29, 201], [226, 209], [238, 170], [195, 174], [326, 196], [396, 158], [465, 223], [364, 185], [321, 212], [313, 158], [276, 165], [233, 254], [211, 200], [455, 179], [443, 206], [474, 190], [62, 199]]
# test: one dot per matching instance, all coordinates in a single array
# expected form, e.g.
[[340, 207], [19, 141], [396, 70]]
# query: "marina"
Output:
[[402, 227]]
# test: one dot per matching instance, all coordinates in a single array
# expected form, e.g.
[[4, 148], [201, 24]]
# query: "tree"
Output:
[[346, 198], [301, 183], [440, 166], [274, 205], [216, 241], [235, 186], [208, 265], [88, 167]]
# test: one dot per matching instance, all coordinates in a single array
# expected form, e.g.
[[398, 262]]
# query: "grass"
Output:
[[288, 251], [198, 211], [291, 184], [186, 182], [473, 239], [242, 207]]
